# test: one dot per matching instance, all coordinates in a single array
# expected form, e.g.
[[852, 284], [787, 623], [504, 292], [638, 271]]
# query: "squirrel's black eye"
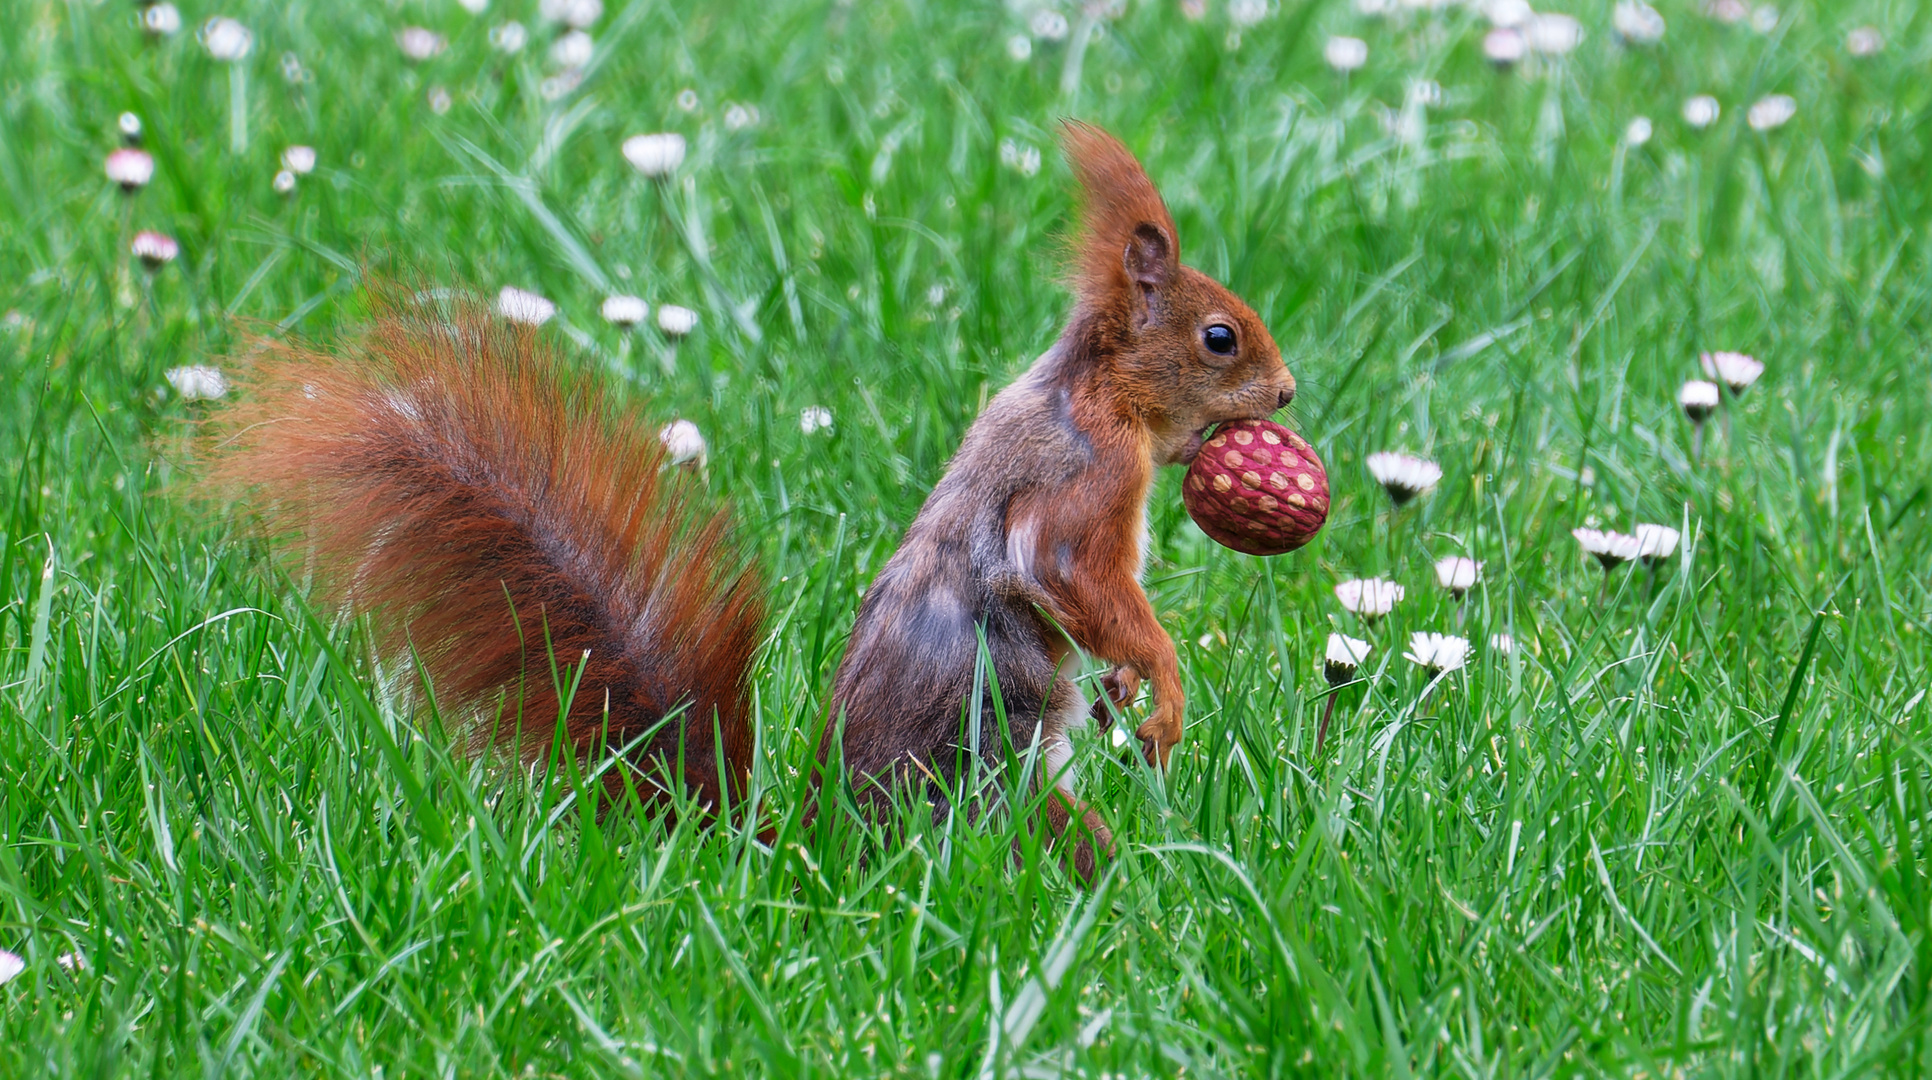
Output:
[[1219, 339]]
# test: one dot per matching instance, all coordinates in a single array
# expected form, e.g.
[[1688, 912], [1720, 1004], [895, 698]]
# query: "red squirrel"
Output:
[[450, 478]]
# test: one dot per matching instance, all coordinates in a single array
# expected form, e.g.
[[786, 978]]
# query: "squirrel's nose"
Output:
[[1287, 395]]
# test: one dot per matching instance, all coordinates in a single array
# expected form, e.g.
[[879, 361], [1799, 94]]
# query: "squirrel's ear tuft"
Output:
[[1125, 244]]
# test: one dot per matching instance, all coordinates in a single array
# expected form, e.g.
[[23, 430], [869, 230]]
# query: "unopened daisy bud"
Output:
[[1656, 543], [1345, 54], [739, 117], [71, 961], [161, 20], [1736, 371], [130, 168], [1553, 35], [1345, 655], [683, 443], [1370, 598], [10, 967], [1638, 133], [284, 182], [814, 418], [1505, 46], [1771, 112], [1698, 399], [1764, 18], [523, 306], [475, 7], [130, 126], [299, 160], [625, 311], [1727, 12], [1502, 643], [573, 50], [1404, 476], [1437, 652], [576, 14], [226, 40], [419, 43], [1612, 549], [656, 155], [198, 382], [438, 99], [1458, 574], [1702, 111], [155, 250], [1637, 23], [676, 321], [1246, 13], [1019, 47], [1864, 41]]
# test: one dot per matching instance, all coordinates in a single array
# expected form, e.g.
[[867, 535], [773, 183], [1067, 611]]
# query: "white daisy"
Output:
[[1510, 13], [130, 126], [154, 249], [71, 961], [1437, 652], [475, 7], [1505, 46], [683, 442], [1458, 574], [419, 43], [1019, 47], [439, 100], [10, 967], [1637, 23], [573, 50], [575, 14], [687, 100], [675, 321], [226, 40], [1502, 643], [1702, 111], [1345, 654], [509, 37], [1698, 399], [523, 306], [1019, 157], [1246, 13], [1554, 35], [1764, 18], [814, 418], [198, 382], [625, 311], [299, 160], [1049, 25], [739, 117], [1864, 41], [161, 20], [1345, 53], [1404, 476], [1655, 543], [656, 155], [1369, 597], [1612, 549], [284, 182], [1638, 132], [1771, 112], [130, 168], [1735, 370]]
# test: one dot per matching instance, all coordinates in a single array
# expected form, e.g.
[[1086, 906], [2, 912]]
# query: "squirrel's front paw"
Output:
[[1121, 685], [1159, 734]]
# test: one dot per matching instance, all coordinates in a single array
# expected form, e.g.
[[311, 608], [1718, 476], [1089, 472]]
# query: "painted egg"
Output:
[[1257, 487]]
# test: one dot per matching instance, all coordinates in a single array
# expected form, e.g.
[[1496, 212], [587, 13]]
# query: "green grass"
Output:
[[1683, 830]]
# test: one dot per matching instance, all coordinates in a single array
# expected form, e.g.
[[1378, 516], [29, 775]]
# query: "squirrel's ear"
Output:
[[1125, 247]]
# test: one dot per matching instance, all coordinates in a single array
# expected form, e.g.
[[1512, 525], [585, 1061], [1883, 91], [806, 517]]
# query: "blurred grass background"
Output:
[[226, 850]]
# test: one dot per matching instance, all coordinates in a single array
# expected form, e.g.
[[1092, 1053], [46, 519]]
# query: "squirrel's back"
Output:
[[449, 477]]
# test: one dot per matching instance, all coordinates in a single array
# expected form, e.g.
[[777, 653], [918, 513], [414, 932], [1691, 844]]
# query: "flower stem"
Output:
[[237, 108], [1321, 733]]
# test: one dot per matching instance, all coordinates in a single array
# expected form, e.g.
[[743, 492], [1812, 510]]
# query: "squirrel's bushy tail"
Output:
[[448, 478]]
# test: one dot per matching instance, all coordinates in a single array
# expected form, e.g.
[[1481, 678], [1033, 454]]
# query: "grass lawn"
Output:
[[1682, 828]]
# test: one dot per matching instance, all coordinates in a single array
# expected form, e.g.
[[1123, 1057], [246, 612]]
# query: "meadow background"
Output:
[[1681, 830]]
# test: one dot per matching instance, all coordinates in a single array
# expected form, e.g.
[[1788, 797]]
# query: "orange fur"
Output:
[[449, 478]]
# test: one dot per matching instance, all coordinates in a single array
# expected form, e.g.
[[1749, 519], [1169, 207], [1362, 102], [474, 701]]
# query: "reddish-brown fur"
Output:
[[448, 477], [1033, 539]]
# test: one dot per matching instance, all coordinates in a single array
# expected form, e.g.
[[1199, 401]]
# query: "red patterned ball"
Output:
[[1258, 488]]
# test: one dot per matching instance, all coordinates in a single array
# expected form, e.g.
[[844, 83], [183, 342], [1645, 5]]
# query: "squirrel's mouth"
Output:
[[1191, 449]]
